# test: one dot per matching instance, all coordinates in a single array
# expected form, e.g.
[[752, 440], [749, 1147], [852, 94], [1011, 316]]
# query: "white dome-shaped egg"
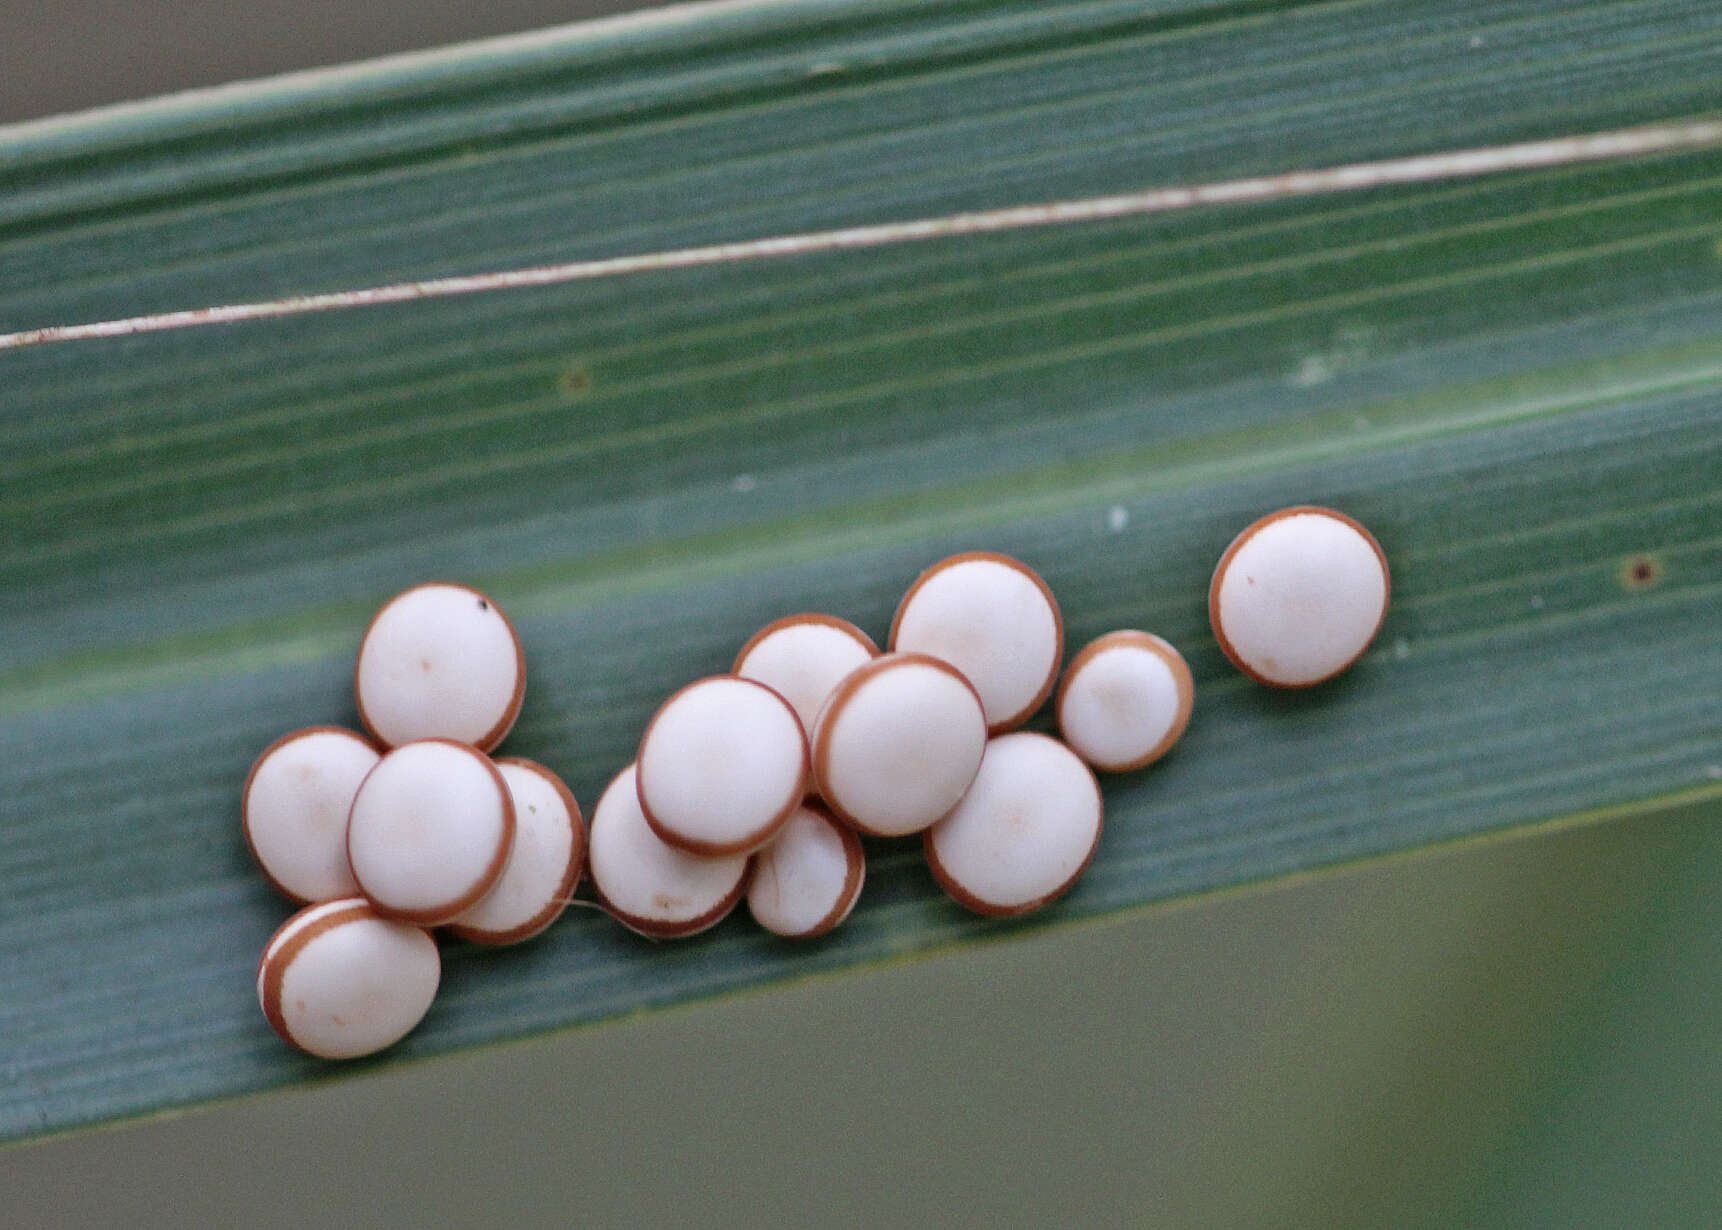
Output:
[[1298, 596], [722, 764], [898, 743], [430, 831], [803, 657], [648, 886], [294, 810], [339, 981], [995, 620], [440, 661], [1025, 830], [543, 864], [1124, 701], [808, 879]]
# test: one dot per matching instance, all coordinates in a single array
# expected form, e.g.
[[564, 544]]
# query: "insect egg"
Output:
[[1298, 596], [430, 831], [440, 661], [339, 981], [808, 879], [543, 864], [722, 764], [294, 810], [1124, 700], [803, 657], [1024, 832], [898, 743], [996, 621], [648, 886]]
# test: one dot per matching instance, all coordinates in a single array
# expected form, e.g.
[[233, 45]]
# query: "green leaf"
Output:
[[1514, 380]]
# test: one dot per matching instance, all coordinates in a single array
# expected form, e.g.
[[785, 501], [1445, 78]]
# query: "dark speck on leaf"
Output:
[[1640, 572]]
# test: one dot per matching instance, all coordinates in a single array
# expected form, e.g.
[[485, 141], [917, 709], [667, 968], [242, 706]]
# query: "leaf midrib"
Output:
[[695, 425]]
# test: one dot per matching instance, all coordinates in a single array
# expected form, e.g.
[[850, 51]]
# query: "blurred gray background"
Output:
[[1519, 1034], [66, 55]]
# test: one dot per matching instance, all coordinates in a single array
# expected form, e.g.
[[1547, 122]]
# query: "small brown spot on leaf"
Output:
[[1640, 572], [574, 381]]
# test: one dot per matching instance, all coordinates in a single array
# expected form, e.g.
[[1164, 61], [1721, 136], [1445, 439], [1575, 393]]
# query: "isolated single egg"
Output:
[[1298, 596]]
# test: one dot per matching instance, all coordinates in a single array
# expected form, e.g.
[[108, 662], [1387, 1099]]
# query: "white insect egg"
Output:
[[1124, 701], [543, 865], [898, 743], [1298, 596], [1023, 833], [808, 879], [294, 810], [646, 885], [803, 657], [440, 661], [430, 831], [340, 981], [722, 764], [995, 620]]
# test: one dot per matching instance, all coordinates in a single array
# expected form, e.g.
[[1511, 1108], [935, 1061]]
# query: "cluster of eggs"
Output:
[[754, 784], [762, 780], [413, 827]]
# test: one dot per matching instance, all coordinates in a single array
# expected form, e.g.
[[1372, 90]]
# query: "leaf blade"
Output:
[[1513, 382]]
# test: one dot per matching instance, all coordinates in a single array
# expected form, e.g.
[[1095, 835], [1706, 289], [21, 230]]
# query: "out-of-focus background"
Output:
[[1519, 1034], [73, 54]]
